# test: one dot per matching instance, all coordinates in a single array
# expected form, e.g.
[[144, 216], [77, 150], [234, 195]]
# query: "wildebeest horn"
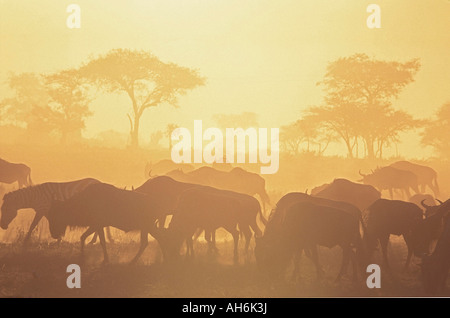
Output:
[[306, 191], [424, 205], [362, 175], [440, 202]]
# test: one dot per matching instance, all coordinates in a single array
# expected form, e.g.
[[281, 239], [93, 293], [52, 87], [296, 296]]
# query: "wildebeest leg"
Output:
[[108, 234], [94, 239], [407, 238], [83, 237], [189, 247], [391, 193], [101, 235], [407, 193], [235, 233], [248, 236], [384, 240], [346, 251], [162, 221], [38, 216], [315, 258], [423, 187], [144, 243], [297, 258]]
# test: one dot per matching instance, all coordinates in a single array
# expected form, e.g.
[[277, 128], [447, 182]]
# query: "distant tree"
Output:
[[146, 80], [437, 132], [305, 131], [155, 138], [242, 120], [358, 101], [47, 103], [69, 103], [169, 129]]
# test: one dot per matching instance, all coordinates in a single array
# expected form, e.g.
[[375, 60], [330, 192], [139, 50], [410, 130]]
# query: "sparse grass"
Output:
[[40, 271]]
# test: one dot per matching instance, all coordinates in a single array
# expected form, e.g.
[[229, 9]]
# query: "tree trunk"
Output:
[[135, 132], [349, 148]]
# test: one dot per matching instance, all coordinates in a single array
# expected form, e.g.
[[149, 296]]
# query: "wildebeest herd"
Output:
[[341, 213]]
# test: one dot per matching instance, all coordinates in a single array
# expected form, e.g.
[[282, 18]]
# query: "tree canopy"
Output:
[[146, 80], [358, 102]]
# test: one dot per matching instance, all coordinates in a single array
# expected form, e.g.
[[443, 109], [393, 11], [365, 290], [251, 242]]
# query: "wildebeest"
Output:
[[426, 176], [166, 191], [209, 209], [359, 195], [15, 172], [420, 199], [435, 267], [386, 217], [237, 179], [389, 178], [39, 198], [294, 197], [100, 205], [304, 226], [164, 166]]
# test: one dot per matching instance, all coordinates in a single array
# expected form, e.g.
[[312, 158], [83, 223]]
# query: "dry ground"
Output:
[[40, 271]]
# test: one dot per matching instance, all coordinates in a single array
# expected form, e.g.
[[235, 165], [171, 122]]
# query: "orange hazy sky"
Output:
[[259, 56]]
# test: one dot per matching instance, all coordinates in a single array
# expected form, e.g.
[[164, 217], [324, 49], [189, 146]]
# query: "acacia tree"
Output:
[[68, 101], [305, 131], [358, 100], [48, 103], [146, 80], [437, 132]]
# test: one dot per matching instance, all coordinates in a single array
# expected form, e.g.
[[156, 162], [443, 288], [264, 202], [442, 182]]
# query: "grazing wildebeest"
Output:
[[164, 166], [294, 197], [12, 172], [389, 178], [208, 208], [237, 179], [166, 191], [426, 176], [420, 198], [39, 198], [200, 208], [386, 217], [100, 205], [304, 226], [435, 267], [360, 195]]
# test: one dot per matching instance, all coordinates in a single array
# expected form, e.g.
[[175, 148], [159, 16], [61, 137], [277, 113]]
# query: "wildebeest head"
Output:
[[366, 178], [57, 219], [270, 258], [170, 242], [9, 210], [430, 209]]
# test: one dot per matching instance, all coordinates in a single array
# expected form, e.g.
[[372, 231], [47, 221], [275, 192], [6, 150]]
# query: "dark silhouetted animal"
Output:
[[418, 198], [360, 195], [209, 209], [292, 198], [164, 166], [237, 180], [435, 267], [165, 190], [15, 172], [426, 176], [204, 209], [39, 198], [389, 178], [304, 226], [100, 205], [386, 217]]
